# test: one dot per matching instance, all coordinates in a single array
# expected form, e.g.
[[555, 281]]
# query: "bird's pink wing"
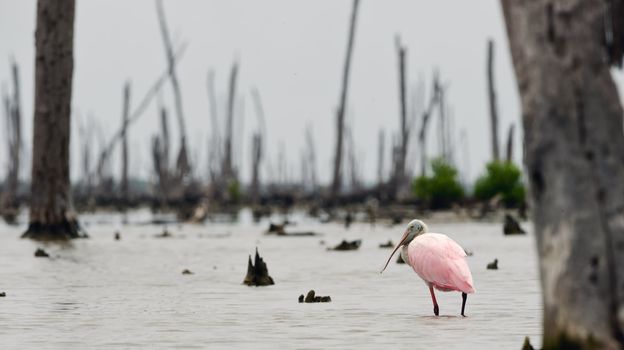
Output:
[[441, 262]]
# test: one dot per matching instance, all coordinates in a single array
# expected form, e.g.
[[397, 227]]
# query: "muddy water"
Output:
[[107, 294]]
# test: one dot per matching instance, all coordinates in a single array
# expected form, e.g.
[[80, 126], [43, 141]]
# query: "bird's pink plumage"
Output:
[[441, 262]]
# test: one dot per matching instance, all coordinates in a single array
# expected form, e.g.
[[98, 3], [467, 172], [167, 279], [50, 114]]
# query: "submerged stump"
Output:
[[311, 297], [493, 265], [511, 226], [347, 245], [257, 273], [40, 253], [388, 244]]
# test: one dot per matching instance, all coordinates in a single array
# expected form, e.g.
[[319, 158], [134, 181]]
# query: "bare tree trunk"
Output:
[[492, 99], [50, 209], [381, 142], [124, 145], [311, 158], [228, 171], [574, 153], [9, 204], [183, 166], [215, 144], [340, 117], [256, 156], [510, 141], [399, 174]]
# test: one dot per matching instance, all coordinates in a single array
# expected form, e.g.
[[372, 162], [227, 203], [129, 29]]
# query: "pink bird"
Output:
[[437, 259]]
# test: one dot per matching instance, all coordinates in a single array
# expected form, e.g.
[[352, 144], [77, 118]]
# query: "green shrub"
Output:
[[234, 191], [502, 178], [441, 189]]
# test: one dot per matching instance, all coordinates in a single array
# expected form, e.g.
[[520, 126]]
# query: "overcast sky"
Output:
[[293, 52]]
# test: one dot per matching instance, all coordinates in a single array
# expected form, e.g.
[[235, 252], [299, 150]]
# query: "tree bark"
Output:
[[51, 208], [340, 116], [492, 100], [574, 153]]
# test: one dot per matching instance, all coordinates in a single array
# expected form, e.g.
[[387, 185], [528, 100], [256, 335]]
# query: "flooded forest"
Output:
[[236, 174]]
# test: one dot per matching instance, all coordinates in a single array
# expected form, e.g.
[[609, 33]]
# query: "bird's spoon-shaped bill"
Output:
[[394, 251]]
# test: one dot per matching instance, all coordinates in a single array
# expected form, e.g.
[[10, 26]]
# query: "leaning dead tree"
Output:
[[422, 134], [492, 100], [152, 92], [574, 154], [9, 204], [183, 166], [124, 144], [50, 208], [340, 116]]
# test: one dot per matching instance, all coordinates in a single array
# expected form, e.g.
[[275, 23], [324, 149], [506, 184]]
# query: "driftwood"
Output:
[[257, 273], [340, 115], [574, 151]]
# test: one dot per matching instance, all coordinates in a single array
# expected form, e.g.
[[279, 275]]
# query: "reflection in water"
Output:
[[107, 294]]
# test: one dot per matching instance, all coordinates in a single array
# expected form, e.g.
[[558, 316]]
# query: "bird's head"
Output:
[[414, 228]]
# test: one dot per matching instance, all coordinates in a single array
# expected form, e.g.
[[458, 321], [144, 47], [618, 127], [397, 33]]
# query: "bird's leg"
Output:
[[464, 297], [436, 309]]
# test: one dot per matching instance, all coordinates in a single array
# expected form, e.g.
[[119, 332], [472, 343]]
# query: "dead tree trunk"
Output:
[[381, 142], [510, 141], [124, 145], [399, 173], [9, 204], [228, 167], [574, 153], [51, 209], [183, 166], [214, 153], [492, 99], [311, 158], [340, 117]]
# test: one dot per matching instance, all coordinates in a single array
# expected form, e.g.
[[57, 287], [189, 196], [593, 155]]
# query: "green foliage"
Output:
[[234, 191], [502, 178], [441, 189]]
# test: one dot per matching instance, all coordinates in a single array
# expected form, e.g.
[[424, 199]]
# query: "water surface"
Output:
[[107, 294]]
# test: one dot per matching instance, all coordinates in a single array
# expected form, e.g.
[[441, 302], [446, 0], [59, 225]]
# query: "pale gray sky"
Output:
[[293, 51]]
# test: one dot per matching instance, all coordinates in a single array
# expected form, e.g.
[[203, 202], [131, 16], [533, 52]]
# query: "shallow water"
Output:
[[107, 294]]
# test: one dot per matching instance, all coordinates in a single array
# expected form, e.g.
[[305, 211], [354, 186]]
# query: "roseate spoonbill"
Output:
[[437, 259]]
